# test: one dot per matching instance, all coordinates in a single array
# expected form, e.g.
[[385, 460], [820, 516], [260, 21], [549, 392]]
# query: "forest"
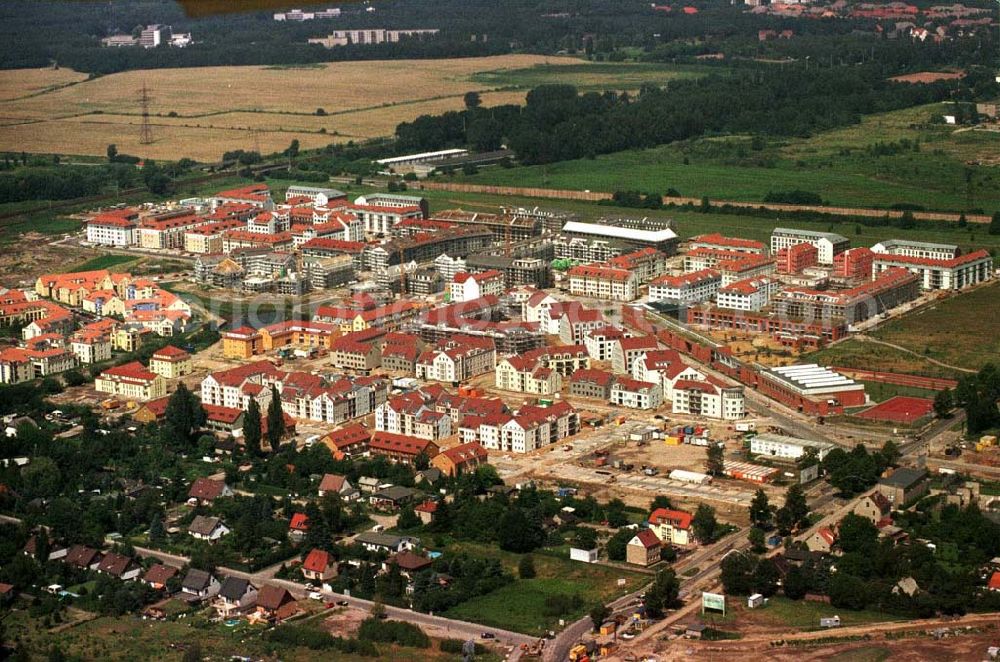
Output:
[[558, 123]]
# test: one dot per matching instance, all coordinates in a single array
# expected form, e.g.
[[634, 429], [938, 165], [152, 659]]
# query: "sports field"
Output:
[[899, 409], [202, 112]]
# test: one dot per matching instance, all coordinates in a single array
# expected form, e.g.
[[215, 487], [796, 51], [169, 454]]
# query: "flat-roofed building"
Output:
[[814, 381], [785, 447]]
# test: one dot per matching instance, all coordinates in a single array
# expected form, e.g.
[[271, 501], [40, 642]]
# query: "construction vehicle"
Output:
[[533, 650], [578, 653]]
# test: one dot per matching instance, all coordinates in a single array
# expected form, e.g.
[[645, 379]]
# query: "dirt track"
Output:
[[595, 196]]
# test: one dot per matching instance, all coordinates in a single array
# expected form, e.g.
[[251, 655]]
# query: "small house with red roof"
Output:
[[275, 603], [821, 541], [671, 526], [426, 511], [994, 583], [401, 448], [334, 484], [207, 490], [299, 526], [319, 566], [644, 548], [347, 441]]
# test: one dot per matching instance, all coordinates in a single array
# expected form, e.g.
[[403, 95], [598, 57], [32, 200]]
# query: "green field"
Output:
[[781, 611], [520, 606], [107, 261], [854, 353], [880, 391], [833, 164], [592, 76], [960, 331]]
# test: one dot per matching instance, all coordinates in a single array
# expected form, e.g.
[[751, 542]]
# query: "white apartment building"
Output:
[[790, 448], [954, 274], [827, 244], [921, 249], [708, 397], [469, 287], [631, 393], [686, 289], [749, 294], [112, 231]]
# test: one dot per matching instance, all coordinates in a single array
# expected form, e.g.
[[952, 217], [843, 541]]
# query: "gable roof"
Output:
[[196, 580], [206, 489], [463, 453], [159, 573], [317, 560], [273, 597], [203, 525], [234, 588], [646, 538], [332, 483], [676, 518]]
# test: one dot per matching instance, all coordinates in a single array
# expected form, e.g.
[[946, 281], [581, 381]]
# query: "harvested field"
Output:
[[200, 113], [28, 82], [928, 76]]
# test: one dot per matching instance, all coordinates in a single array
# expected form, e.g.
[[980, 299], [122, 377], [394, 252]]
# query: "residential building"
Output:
[[457, 359], [717, 241], [564, 359], [749, 294], [828, 244], [903, 486], [530, 428], [319, 566], [794, 258], [91, 346], [385, 542], [687, 288], [874, 507], [170, 362], [626, 351], [644, 548], [401, 448], [519, 373], [275, 604], [206, 490], [708, 397], [631, 393], [209, 529], [236, 595], [371, 36], [629, 233], [339, 485], [889, 289], [132, 381], [601, 342], [854, 263], [921, 249], [199, 585], [645, 263], [413, 414], [113, 229], [591, 383], [937, 274], [468, 287], [672, 527], [349, 441], [603, 282], [461, 459], [573, 322]]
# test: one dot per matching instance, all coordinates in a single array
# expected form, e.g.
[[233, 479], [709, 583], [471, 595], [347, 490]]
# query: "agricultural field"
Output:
[[835, 164], [959, 331], [199, 113]]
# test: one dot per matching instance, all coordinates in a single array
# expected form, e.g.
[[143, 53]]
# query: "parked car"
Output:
[[315, 595], [488, 635]]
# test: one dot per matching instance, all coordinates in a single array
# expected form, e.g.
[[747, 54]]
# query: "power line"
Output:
[[145, 129]]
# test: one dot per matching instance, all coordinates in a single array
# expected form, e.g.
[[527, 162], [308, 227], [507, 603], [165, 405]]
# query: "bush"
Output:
[[455, 646], [296, 635], [74, 378], [796, 197], [393, 632]]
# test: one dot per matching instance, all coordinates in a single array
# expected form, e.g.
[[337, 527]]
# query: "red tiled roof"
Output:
[[206, 489], [299, 522], [677, 518], [689, 278], [132, 371], [398, 443], [647, 538], [348, 436], [600, 271], [931, 262], [171, 353], [317, 561], [717, 239], [332, 483], [463, 453], [599, 377]]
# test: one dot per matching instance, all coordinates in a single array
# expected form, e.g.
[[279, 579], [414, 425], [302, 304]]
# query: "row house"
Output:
[[462, 459], [518, 373], [685, 289], [413, 414], [457, 359], [345, 442], [603, 282], [634, 394], [390, 317], [400, 448], [234, 239]]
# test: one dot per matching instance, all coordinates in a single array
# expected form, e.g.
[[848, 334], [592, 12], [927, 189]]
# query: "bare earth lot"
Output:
[[199, 113]]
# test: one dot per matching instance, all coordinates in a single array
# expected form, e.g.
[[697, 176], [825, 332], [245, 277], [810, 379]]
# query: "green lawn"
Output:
[[802, 614], [834, 164], [957, 331], [879, 391], [520, 606], [854, 353], [106, 261]]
